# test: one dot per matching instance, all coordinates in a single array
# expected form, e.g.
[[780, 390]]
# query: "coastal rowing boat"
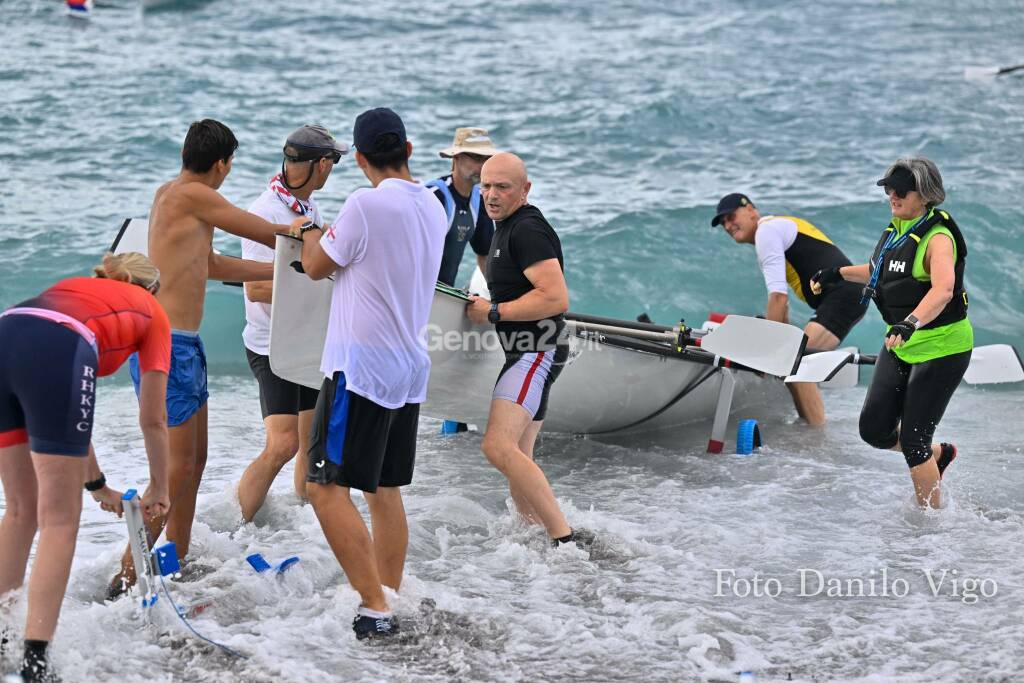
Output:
[[611, 383]]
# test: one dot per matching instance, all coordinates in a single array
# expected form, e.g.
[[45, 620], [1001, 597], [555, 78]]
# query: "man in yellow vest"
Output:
[[790, 250]]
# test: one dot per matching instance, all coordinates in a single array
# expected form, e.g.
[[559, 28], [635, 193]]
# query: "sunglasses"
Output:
[[901, 192], [333, 155]]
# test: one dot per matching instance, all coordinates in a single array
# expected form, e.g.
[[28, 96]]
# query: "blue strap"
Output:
[[474, 203], [449, 200]]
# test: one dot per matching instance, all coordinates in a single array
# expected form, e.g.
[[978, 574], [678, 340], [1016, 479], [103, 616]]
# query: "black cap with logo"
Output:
[[728, 204]]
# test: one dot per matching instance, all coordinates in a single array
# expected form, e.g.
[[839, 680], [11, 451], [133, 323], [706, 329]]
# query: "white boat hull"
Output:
[[603, 388]]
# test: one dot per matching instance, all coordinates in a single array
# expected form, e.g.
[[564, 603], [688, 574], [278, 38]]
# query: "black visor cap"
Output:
[[901, 180]]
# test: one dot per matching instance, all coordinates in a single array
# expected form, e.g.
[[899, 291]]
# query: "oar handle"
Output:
[[858, 358]]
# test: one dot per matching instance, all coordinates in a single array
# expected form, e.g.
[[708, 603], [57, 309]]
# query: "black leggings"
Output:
[[906, 401]]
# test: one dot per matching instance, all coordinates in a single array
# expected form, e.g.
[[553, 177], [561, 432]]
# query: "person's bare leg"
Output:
[[183, 512], [807, 399], [506, 425], [181, 470], [282, 442], [390, 533], [19, 523], [926, 483], [350, 540], [526, 444], [302, 461], [926, 489], [60, 479], [806, 396], [819, 338]]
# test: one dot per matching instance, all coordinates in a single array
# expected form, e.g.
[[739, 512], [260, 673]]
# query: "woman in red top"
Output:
[[52, 349]]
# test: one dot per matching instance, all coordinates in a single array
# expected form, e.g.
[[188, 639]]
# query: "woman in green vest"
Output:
[[916, 277]]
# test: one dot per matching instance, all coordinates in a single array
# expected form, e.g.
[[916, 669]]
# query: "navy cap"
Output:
[[901, 180], [728, 204], [378, 131]]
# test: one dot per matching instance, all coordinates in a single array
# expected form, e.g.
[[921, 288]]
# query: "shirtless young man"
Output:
[[181, 222]]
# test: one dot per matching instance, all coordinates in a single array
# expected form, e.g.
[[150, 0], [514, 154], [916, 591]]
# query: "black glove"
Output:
[[826, 277], [903, 328]]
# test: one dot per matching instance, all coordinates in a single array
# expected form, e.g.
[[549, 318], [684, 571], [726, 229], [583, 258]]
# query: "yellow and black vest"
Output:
[[810, 252], [898, 292]]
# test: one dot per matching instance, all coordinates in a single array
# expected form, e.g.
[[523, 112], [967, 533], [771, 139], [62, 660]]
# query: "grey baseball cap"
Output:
[[313, 142]]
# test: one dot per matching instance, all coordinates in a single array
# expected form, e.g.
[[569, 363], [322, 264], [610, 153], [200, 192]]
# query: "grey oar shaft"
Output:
[[667, 337]]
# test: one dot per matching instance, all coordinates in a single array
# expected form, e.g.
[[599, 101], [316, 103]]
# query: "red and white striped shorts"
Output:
[[526, 378]]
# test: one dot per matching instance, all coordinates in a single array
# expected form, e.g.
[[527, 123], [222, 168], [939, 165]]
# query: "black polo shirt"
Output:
[[521, 240]]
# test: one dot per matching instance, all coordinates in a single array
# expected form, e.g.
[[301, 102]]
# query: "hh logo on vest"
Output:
[[897, 266]]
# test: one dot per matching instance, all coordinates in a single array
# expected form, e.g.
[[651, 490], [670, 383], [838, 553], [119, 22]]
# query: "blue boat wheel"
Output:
[[748, 437]]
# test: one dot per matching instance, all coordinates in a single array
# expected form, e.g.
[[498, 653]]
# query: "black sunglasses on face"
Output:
[[333, 155], [902, 193]]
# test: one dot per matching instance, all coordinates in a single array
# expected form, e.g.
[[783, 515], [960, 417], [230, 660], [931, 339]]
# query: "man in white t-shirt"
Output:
[[790, 250], [384, 250], [310, 154]]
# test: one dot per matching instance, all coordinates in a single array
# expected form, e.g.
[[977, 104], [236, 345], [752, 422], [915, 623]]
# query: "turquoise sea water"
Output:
[[633, 118]]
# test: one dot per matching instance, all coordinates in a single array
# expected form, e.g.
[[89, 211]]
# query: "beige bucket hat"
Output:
[[470, 141]]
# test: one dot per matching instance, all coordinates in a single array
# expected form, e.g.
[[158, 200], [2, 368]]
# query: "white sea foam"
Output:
[[485, 598]]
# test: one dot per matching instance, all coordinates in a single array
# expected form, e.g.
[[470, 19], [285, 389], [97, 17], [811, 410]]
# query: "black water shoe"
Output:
[[35, 667], [583, 538], [947, 454], [374, 627]]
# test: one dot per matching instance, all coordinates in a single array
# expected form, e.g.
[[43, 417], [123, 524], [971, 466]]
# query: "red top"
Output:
[[125, 318]]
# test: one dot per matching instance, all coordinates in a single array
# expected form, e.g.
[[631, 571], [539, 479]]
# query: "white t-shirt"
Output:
[[387, 242], [773, 237], [268, 206]]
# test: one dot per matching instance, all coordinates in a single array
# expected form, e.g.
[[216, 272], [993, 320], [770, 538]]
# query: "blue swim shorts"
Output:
[[186, 382]]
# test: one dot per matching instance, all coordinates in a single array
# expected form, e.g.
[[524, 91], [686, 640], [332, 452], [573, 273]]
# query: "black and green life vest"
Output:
[[898, 292]]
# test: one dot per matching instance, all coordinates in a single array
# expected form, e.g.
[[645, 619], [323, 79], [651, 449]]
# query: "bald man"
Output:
[[525, 276]]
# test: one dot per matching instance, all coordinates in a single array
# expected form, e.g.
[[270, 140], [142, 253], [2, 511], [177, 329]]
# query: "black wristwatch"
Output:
[[307, 227], [97, 484], [912, 319], [492, 315]]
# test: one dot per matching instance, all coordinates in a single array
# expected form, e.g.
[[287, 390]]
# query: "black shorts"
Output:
[[358, 443], [47, 386], [840, 309], [279, 396]]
